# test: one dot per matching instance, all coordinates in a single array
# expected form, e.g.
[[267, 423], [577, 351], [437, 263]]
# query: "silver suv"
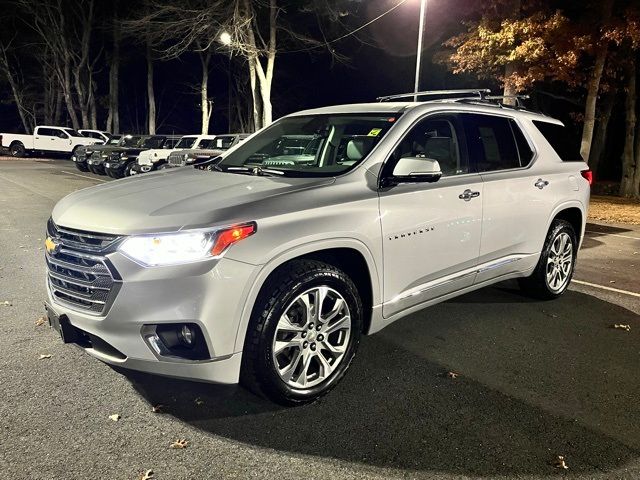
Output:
[[267, 266]]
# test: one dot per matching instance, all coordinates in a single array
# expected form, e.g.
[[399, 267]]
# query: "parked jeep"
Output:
[[268, 275], [82, 154], [95, 162], [120, 163], [154, 159], [206, 150]]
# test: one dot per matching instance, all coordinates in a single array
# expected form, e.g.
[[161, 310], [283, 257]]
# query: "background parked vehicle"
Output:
[[156, 158], [82, 153], [205, 150], [45, 139], [95, 162], [120, 162], [97, 134]]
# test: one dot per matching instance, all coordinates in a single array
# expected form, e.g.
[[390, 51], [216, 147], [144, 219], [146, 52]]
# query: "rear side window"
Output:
[[496, 143], [46, 132], [561, 140]]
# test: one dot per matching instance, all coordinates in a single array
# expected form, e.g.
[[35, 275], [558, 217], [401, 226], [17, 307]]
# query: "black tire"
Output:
[[73, 152], [17, 150], [537, 284], [82, 167], [128, 168], [162, 166], [258, 372]]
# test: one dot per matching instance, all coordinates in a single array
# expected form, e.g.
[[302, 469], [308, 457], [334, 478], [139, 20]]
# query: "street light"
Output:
[[416, 87], [225, 39]]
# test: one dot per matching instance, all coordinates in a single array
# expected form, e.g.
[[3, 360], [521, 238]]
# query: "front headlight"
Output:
[[183, 247]]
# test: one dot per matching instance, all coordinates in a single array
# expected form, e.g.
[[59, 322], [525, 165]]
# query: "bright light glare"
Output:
[[169, 249], [225, 38]]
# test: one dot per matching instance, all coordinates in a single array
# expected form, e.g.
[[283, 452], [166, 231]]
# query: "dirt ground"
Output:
[[614, 210]]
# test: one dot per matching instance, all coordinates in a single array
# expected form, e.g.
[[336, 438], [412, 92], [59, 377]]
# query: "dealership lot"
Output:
[[536, 380]]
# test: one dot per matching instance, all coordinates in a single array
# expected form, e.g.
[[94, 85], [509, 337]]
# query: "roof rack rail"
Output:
[[517, 98], [481, 93]]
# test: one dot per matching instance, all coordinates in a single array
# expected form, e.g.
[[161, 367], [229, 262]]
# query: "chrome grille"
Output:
[[79, 275], [176, 160]]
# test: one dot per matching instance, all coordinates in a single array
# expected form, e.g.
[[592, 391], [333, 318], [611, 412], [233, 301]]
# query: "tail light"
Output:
[[588, 176]]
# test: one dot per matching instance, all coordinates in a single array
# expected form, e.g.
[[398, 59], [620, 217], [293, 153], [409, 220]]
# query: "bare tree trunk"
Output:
[[600, 136], [93, 109], [594, 86], [255, 95], [17, 96], [68, 99], [636, 176], [206, 104], [628, 155], [151, 113], [113, 118], [266, 78], [57, 113]]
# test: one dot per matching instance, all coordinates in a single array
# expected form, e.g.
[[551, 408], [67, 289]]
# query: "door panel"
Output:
[[430, 236], [430, 231], [515, 204]]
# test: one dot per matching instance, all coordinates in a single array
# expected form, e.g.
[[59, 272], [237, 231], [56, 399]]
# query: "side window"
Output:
[[524, 149], [561, 139], [492, 142], [58, 133], [45, 132], [438, 138]]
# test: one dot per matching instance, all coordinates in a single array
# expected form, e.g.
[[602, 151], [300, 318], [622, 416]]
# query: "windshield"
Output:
[[223, 142], [186, 142], [129, 141], [154, 142], [72, 132], [319, 145], [114, 140], [207, 143]]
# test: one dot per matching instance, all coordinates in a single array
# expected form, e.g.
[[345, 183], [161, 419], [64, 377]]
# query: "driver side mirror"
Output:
[[416, 169]]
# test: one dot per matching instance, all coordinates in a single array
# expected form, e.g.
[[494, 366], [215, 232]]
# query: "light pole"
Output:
[[225, 39], [416, 87]]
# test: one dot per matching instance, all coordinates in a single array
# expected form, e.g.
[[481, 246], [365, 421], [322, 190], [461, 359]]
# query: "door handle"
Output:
[[468, 195], [540, 183]]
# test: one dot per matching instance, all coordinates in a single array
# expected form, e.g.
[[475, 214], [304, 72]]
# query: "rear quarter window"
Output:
[[565, 144]]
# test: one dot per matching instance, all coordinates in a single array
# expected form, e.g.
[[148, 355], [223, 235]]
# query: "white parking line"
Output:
[[602, 287], [85, 176], [612, 234]]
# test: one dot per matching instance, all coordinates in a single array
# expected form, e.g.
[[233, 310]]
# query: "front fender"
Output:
[[263, 272]]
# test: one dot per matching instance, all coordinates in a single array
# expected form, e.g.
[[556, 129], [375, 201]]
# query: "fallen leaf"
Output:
[[199, 401], [612, 281], [157, 409], [46, 355], [115, 417], [621, 326], [41, 321], [449, 375], [146, 475], [6, 303], [180, 443], [560, 463]]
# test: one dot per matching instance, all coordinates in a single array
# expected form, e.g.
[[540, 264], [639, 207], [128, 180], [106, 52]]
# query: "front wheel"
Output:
[[303, 334], [554, 270], [82, 167], [128, 169]]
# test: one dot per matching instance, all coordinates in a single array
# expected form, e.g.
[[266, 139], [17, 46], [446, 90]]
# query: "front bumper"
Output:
[[137, 168], [210, 294]]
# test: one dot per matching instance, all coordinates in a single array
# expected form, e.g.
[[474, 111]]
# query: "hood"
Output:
[[173, 199]]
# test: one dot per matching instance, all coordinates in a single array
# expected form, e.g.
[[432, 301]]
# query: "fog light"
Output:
[[187, 335]]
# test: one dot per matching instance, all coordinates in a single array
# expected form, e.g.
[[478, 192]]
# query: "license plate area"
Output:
[[60, 323]]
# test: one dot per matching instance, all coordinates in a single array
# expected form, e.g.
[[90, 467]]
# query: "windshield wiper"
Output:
[[257, 171]]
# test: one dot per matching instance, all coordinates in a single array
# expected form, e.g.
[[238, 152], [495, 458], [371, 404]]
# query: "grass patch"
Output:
[[614, 210]]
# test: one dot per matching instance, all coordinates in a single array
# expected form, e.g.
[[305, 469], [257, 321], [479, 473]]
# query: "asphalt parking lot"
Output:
[[536, 380]]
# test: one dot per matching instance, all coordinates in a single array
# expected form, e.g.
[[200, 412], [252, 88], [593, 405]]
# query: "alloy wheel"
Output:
[[311, 337], [559, 262]]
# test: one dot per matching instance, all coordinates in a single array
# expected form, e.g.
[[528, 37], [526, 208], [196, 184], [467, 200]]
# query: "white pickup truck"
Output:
[[46, 140]]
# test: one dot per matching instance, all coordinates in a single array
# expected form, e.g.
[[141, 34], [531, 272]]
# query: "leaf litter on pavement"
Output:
[[179, 444]]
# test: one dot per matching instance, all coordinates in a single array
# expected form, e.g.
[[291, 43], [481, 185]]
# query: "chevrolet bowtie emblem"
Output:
[[50, 245]]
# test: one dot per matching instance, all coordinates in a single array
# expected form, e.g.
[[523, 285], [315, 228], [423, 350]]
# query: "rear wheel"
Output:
[[304, 333], [17, 149], [554, 270], [162, 166]]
